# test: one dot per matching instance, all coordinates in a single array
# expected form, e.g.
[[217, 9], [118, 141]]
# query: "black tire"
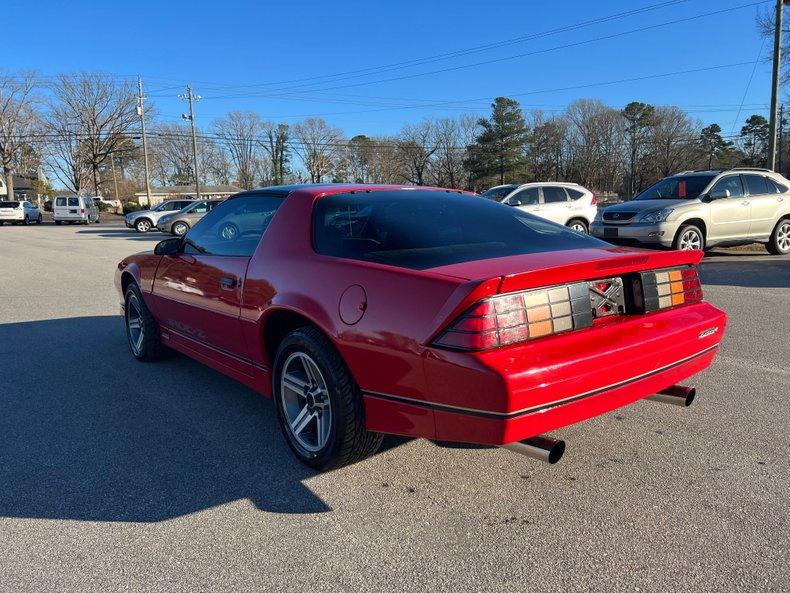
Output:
[[2, 222], [582, 225], [40, 219], [58, 222], [25, 220], [348, 441], [683, 232], [150, 347], [143, 225], [777, 244], [179, 225]]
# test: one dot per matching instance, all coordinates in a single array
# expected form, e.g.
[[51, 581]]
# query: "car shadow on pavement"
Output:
[[88, 433], [770, 271], [124, 233]]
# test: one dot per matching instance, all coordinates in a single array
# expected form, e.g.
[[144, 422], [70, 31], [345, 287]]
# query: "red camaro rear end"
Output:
[[365, 310]]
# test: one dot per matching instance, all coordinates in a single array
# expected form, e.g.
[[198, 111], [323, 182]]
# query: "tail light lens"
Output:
[[519, 316], [82, 210], [661, 289], [594, 201]]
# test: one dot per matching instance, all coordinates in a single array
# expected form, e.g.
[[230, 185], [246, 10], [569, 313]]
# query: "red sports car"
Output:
[[364, 310]]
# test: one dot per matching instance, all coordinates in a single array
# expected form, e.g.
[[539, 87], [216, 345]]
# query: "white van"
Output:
[[73, 209]]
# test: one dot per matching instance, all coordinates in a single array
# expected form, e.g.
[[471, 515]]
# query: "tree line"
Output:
[[84, 129]]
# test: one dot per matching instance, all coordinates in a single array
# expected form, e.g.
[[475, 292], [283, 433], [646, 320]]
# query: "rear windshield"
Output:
[[60, 201], [9, 204], [423, 229], [676, 188], [74, 201]]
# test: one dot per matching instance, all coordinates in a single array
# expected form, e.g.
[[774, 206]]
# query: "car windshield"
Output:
[[685, 187], [497, 193], [9, 204], [423, 229]]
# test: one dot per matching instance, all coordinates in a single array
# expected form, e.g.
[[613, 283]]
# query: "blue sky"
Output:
[[247, 55]]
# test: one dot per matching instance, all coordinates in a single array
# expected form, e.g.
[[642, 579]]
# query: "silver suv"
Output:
[[701, 209]]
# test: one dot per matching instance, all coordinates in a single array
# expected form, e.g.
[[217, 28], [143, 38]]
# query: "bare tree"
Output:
[[415, 147], [673, 141], [319, 144], [240, 132], [99, 110], [547, 147], [275, 143], [171, 157], [18, 119], [452, 136], [595, 143]]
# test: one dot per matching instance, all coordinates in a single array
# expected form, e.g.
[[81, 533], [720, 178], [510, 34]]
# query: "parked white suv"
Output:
[[19, 212], [73, 209], [569, 204], [701, 209]]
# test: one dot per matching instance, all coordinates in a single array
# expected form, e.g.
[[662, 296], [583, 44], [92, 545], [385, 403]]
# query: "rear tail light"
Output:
[[661, 289], [594, 201], [519, 316], [82, 210]]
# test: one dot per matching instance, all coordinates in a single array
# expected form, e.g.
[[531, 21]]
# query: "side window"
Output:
[[527, 197], [234, 227], [757, 184], [88, 202], [575, 194], [74, 202], [172, 207], [60, 201], [777, 187], [732, 183], [200, 208], [553, 194]]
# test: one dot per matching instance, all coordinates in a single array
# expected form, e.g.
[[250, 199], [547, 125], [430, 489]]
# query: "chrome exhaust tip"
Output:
[[540, 447], [677, 395]]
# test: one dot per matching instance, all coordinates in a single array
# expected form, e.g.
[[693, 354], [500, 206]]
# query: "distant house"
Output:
[[160, 194], [23, 186]]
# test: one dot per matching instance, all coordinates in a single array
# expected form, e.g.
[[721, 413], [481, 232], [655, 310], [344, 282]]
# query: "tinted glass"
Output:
[[235, 227], [527, 197], [757, 184], [552, 195], [497, 193], [60, 201], [675, 188], [574, 193], [777, 187], [198, 208], [427, 228], [731, 183], [9, 204], [74, 201]]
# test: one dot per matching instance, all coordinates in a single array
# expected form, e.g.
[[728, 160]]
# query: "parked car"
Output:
[[568, 204], [19, 212], [702, 209], [365, 310], [71, 209], [145, 220], [178, 223]]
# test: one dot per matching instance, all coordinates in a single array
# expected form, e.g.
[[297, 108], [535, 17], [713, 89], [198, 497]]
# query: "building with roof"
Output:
[[160, 194]]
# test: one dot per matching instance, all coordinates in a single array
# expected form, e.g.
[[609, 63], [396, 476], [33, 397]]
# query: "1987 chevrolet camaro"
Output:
[[364, 310]]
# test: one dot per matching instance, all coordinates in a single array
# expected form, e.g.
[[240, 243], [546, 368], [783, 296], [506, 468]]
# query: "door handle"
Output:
[[227, 283], [746, 203], [780, 199]]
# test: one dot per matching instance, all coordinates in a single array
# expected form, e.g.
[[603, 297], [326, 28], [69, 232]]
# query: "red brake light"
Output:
[[594, 201], [82, 210], [670, 287]]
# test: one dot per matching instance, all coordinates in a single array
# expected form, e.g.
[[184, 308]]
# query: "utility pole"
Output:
[[775, 83], [141, 113], [781, 131], [114, 178], [191, 117]]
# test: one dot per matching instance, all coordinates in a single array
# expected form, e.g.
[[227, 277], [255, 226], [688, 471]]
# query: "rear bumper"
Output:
[[15, 217], [511, 394]]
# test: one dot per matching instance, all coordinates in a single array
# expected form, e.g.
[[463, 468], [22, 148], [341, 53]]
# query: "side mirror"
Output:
[[515, 202], [168, 246], [718, 194]]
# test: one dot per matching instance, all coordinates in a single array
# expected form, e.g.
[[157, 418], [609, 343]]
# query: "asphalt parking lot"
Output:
[[122, 476]]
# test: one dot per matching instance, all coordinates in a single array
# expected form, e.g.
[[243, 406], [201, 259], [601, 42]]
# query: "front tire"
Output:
[[40, 219], [143, 225], [142, 330], [779, 243], [319, 406], [180, 229], [58, 222], [689, 238]]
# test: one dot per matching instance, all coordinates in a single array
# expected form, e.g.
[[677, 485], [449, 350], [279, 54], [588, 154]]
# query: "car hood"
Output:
[[646, 205], [137, 213]]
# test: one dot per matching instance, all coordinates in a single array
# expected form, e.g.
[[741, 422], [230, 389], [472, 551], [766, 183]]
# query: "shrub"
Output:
[[131, 207]]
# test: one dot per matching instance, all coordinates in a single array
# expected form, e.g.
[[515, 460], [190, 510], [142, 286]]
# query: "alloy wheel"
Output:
[[180, 228], [134, 324], [690, 239], [579, 228], [143, 226], [783, 237], [305, 402]]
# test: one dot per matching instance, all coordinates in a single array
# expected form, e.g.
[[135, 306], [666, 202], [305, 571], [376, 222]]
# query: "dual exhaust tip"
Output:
[[551, 450]]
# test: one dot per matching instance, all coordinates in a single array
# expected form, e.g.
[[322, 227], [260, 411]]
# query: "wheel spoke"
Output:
[[309, 371], [134, 324], [302, 420], [294, 383]]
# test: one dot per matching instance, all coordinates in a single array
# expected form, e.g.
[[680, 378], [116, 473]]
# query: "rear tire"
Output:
[[579, 225], [58, 222], [689, 238], [25, 220], [143, 225], [327, 389], [142, 330], [180, 229], [779, 243], [40, 219]]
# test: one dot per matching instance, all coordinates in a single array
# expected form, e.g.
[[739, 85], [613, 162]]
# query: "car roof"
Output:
[[316, 190]]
